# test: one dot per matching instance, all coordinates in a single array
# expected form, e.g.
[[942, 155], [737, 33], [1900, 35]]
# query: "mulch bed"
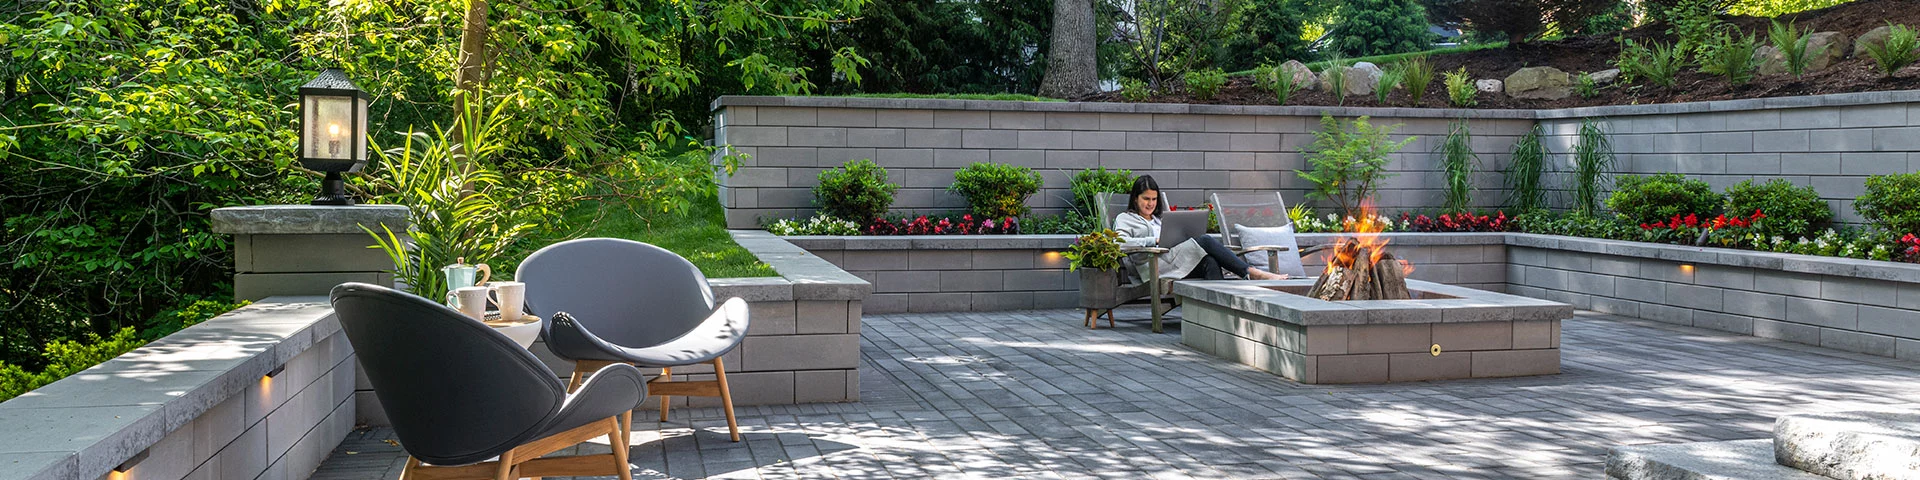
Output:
[[1597, 52]]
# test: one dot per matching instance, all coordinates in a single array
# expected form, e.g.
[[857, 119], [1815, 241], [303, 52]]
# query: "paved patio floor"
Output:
[[1036, 395]]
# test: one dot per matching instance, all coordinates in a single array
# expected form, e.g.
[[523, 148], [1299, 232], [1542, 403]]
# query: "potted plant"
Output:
[[1097, 257]]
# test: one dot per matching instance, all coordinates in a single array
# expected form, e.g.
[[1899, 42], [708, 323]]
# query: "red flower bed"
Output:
[[1457, 222], [922, 225]]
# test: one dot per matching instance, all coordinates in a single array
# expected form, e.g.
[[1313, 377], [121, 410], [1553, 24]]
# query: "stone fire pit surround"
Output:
[[1480, 334]]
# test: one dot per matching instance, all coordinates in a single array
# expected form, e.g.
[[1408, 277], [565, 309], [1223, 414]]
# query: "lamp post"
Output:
[[333, 132]]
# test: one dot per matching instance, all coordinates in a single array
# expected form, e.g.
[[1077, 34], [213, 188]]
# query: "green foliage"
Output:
[[1775, 8], [1592, 159], [820, 224], [1071, 222], [1416, 74], [1334, 79], [1617, 15], [67, 358], [1383, 89], [994, 190], [1460, 89], [1098, 250], [1902, 48], [1348, 162], [857, 191], [1792, 44], [1165, 38], [1134, 89], [1378, 27], [1892, 202], [1269, 32], [699, 234], [1458, 163], [1731, 56], [1524, 188], [932, 46], [1204, 83], [1574, 224], [1086, 185], [1007, 97], [1274, 79], [1655, 198], [1695, 24], [1658, 64], [194, 311], [1791, 210], [1520, 21], [1585, 86]]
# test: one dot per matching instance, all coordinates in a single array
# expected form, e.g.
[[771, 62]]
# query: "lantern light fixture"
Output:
[[333, 132]]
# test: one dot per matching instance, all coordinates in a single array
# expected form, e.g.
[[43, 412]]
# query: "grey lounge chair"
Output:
[[460, 394], [1109, 205], [1255, 209], [634, 303]]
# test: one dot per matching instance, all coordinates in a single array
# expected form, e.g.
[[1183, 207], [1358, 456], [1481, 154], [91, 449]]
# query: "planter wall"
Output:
[[1829, 141]]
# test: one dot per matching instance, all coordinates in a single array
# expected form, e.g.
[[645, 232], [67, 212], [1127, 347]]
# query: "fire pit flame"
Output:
[[1380, 277]]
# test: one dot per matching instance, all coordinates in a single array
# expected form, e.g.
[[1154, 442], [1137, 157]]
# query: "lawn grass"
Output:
[[700, 234], [1015, 97], [1384, 60]]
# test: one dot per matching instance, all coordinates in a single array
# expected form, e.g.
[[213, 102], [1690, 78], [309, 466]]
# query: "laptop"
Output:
[[1178, 226]]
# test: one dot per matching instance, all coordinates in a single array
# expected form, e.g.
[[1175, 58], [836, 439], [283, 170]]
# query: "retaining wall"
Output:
[[199, 402], [1831, 142]]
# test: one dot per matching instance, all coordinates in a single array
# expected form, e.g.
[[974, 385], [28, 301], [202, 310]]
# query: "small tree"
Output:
[[1347, 163], [1269, 33], [1380, 27]]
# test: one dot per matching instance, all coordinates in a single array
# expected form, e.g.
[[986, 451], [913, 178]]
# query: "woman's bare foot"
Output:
[[1259, 274]]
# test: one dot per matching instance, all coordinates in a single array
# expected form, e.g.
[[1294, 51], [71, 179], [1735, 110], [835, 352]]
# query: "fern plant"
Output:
[[1460, 89], [1348, 163], [1792, 44], [1524, 190], [1592, 159], [1902, 48], [1731, 57], [1659, 64], [1458, 161]]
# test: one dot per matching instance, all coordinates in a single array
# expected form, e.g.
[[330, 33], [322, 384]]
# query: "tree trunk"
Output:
[[1072, 64], [470, 76]]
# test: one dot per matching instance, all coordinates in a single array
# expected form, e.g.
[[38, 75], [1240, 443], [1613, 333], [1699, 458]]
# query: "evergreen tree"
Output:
[[1269, 33], [1379, 27], [933, 46], [1522, 20]]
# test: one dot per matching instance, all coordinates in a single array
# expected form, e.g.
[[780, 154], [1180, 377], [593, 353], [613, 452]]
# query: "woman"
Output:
[[1140, 226]]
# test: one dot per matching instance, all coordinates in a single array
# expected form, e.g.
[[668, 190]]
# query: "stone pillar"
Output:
[[306, 249]]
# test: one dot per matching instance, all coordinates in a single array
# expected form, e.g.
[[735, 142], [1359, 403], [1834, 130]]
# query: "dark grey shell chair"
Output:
[[460, 394], [634, 303]]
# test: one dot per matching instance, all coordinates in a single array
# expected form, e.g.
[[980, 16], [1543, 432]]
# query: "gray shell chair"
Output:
[[460, 394], [634, 303]]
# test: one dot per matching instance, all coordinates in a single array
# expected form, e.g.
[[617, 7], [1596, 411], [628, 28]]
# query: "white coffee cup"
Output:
[[470, 301], [511, 297]]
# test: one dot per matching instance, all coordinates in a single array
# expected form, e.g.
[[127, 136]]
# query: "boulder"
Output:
[[1487, 85], [1770, 61], [1824, 48], [1542, 83], [1605, 77], [1875, 37], [1372, 70], [1361, 81], [1303, 77]]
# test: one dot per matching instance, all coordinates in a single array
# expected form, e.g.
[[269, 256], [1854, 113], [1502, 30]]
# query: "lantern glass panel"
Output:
[[331, 128]]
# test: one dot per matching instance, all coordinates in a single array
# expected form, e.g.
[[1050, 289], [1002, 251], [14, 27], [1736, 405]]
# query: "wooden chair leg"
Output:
[[666, 375], [505, 470], [579, 377], [626, 425], [1109, 318], [406, 473], [618, 439], [1089, 319], [726, 398]]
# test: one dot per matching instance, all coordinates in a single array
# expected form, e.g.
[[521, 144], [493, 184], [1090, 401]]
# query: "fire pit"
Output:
[[1362, 321]]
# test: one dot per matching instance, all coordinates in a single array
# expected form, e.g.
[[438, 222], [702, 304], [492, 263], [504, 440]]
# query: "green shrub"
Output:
[[1694, 23], [1275, 79], [1902, 48], [857, 191], [1460, 89], [1134, 89], [1792, 44], [1892, 202], [1098, 250], [1731, 56], [67, 358], [1203, 84], [1585, 86], [1658, 64], [994, 190], [1417, 75], [1087, 183], [1656, 198], [1071, 222], [1792, 210], [1347, 163]]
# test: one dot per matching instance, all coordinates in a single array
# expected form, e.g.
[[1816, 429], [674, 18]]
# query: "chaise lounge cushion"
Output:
[[1288, 263]]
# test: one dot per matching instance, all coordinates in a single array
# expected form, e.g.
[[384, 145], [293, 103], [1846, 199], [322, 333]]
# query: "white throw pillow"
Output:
[[1289, 261]]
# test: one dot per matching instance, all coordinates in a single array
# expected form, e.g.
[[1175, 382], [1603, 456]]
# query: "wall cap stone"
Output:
[[155, 389], [803, 276], [1827, 100], [308, 219]]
